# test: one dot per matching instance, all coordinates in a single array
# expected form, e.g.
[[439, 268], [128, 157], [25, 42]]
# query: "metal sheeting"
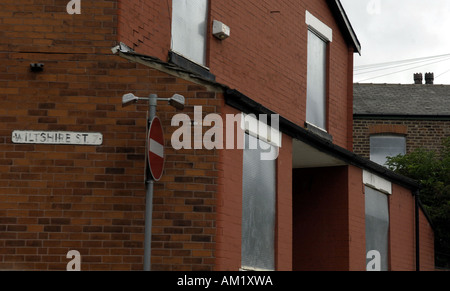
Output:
[[189, 20], [377, 224], [383, 146], [258, 207], [316, 80]]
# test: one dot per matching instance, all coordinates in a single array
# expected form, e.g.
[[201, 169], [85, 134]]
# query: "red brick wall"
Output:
[[229, 205], [426, 244], [86, 198], [45, 26], [265, 56], [145, 26], [330, 236], [401, 230], [403, 233], [320, 213], [91, 199], [284, 230], [356, 223]]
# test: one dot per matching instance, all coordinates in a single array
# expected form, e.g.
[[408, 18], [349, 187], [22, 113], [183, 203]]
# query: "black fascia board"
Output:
[[344, 24], [381, 116], [243, 103]]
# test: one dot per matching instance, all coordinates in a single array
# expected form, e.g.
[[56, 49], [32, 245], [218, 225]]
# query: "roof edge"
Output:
[[380, 116], [243, 103], [344, 23]]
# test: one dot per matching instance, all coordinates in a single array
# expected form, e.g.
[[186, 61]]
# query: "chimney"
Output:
[[429, 78], [418, 78]]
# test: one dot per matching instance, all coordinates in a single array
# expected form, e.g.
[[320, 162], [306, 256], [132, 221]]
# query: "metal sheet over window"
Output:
[[316, 81], [258, 207], [377, 224], [383, 146], [189, 26]]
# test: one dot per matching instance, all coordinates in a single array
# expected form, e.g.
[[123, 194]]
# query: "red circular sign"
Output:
[[155, 148]]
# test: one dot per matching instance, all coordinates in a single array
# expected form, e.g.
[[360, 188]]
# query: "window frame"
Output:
[[385, 256], [180, 57], [250, 139], [385, 135], [324, 33]]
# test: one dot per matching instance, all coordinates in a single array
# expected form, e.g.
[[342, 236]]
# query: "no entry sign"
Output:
[[155, 146]]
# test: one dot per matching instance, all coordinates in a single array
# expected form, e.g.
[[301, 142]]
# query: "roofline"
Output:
[[344, 23], [247, 105], [243, 103], [381, 116]]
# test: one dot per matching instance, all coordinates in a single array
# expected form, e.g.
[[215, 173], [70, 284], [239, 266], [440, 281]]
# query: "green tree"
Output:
[[432, 170]]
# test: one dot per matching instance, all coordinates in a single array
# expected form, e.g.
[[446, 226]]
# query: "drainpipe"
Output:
[[417, 223]]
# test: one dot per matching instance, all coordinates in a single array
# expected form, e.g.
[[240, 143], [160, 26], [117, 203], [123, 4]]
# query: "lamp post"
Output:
[[178, 102]]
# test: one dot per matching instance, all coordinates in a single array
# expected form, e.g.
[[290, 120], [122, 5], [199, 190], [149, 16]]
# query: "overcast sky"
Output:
[[398, 30]]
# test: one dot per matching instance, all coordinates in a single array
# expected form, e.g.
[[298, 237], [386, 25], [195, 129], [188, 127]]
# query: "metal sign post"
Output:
[[153, 99], [178, 102]]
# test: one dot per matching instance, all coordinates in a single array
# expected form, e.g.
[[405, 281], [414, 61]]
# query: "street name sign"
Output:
[[56, 137]]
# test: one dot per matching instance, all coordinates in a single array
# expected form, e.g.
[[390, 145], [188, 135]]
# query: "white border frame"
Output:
[[319, 27], [377, 183]]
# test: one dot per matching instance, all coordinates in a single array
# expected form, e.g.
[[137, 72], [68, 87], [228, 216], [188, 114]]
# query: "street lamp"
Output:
[[177, 101]]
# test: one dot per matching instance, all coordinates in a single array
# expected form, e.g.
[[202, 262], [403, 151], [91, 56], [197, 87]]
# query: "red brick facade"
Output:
[[253, 60], [57, 198]]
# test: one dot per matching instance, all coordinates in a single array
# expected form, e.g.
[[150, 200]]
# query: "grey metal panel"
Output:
[[383, 146], [316, 81], [377, 224], [189, 26], [258, 208]]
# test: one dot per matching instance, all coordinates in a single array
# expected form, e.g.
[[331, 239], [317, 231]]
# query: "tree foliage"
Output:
[[432, 170]]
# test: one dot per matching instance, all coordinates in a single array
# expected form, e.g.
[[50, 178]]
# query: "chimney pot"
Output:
[[418, 78], [429, 78]]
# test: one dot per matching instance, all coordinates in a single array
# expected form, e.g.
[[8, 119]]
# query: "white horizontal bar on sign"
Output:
[[56, 137], [156, 148]]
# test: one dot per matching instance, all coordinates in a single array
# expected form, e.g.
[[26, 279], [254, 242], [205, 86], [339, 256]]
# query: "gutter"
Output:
[[243, 103], [344, 23], [380, 116]]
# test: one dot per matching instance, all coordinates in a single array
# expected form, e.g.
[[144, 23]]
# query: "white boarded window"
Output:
[[189, 26], [383, 146], [316, 81], [377, 228], [258, 206]]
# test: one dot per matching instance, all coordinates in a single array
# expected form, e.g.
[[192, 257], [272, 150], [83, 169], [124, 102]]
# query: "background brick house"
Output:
[[91, 198], [417, 113]]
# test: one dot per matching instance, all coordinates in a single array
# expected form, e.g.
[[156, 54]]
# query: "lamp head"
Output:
[[128, 98], [177, 101]]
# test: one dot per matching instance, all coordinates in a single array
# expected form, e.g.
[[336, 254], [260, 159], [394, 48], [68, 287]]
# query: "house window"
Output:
[[383, 146], [377, 229], [189, 27], [258, 207], [319, 35]]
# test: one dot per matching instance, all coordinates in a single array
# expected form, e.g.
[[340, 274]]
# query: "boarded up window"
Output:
[[258, 207], [189, 26]]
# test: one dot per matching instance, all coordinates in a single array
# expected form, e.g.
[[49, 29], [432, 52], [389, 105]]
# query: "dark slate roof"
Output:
[[401, 100]]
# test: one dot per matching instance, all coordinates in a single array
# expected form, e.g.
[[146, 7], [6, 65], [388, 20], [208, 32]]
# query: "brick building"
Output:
[[405, 117], [291, 59]]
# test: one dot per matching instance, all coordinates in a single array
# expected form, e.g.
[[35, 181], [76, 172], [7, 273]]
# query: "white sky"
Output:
[[398, 30]]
